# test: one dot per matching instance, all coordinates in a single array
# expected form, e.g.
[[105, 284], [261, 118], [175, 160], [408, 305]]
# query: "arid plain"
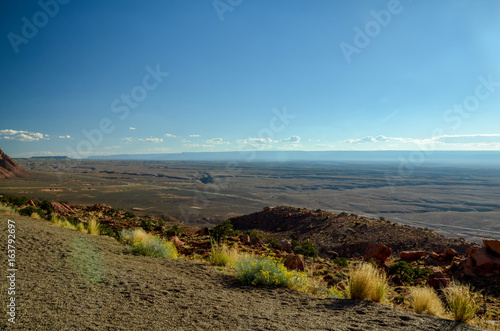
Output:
[[460, 201]]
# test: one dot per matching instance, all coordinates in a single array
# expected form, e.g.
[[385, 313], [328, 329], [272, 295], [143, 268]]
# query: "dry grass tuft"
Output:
[[366, 282], [462, 301], [222, 255], [93, 227], [425, 300]]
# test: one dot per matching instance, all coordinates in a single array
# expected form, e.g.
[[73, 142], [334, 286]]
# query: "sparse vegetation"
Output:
[[462, 301], [174, 231], [28, 211], [408, 273], [221, 231], [365, 282], [425, 300], [341, 262], [140, 242], [307, 248]]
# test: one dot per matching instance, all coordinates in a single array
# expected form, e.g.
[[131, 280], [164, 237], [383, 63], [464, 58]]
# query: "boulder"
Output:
[[438, 282], [484, 260], [492, 245], [294, 262], [450, 253], [378, 251], [411, 255]]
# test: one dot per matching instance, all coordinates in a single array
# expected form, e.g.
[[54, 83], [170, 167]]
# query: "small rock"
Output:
[[176, 241], [285, 245], [256, 241], [437, 273], [294, 262], [450, 252], [245, 238]]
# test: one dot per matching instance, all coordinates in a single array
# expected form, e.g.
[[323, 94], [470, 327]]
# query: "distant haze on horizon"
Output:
[[98, 78]]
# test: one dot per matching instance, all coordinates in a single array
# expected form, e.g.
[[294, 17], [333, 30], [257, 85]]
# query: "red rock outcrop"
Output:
[[411, 255], [9, 167], [378, 251]]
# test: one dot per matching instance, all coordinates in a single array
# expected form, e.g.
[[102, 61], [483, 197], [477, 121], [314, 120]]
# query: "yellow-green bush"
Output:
[[366, 282], [462, 301], [268, 271], [425, 300], [140, 242]]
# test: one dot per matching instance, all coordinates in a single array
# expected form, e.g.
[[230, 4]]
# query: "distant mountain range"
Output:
[[412, 157]]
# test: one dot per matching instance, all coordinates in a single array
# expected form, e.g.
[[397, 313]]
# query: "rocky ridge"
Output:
[[9, 167]]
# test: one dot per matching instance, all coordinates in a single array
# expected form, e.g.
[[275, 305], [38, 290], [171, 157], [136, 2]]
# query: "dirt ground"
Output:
[[66, 280]]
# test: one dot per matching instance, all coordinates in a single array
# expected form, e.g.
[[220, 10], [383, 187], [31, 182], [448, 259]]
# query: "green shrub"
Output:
[[221, 231], [14, 200], [273, 243], [307, 249], [129, 214], [367, 283], [268, 271], [147, 225], [407, 272], [174, 231], [28, 211], [462, 301], [140, 242], [341, 262]]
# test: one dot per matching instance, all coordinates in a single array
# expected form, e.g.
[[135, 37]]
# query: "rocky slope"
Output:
[[346, 234], [9, 167], [66, 280]]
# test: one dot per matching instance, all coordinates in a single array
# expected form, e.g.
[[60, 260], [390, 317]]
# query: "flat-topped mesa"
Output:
[[9, 167]]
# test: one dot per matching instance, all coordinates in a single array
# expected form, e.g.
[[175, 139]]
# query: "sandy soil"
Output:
[[66, 280]]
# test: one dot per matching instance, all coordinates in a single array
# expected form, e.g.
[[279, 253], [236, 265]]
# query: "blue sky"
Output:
[[85, 78]]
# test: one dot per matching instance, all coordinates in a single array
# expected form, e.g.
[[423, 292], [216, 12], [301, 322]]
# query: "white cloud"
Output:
[[216, 141], [65, 137], [292, 140], [23, 136], [132, 128], [194, 135], [151, 140], [441, 140], [259, 141], [112, 147], [128, 139], [169, 135]]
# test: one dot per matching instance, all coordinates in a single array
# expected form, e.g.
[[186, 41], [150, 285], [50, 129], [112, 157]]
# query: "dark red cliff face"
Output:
[[9, 168]]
